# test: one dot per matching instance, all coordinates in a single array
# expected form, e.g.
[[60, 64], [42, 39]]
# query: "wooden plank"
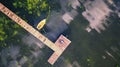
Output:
[[62, 42], [53, 58], [59, 46], [29, 28]]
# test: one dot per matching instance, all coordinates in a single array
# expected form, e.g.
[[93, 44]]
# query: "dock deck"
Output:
[[58, 47], [62, 42]]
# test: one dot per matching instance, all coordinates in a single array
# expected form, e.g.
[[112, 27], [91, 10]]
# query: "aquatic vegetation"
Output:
[[32, 6]]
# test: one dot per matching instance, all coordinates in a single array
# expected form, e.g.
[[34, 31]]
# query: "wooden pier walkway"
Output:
[[58, 47]]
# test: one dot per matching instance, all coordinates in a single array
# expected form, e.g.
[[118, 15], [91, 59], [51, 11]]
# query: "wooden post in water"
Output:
[[58, 47]]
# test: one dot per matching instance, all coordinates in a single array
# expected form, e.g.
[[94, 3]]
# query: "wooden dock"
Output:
[[62, 42], [58, 47]]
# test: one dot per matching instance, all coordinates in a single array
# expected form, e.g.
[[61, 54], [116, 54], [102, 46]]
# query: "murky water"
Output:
[[87, 49]]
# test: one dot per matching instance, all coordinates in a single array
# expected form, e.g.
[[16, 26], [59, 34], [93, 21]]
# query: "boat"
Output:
[[41, 24]]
